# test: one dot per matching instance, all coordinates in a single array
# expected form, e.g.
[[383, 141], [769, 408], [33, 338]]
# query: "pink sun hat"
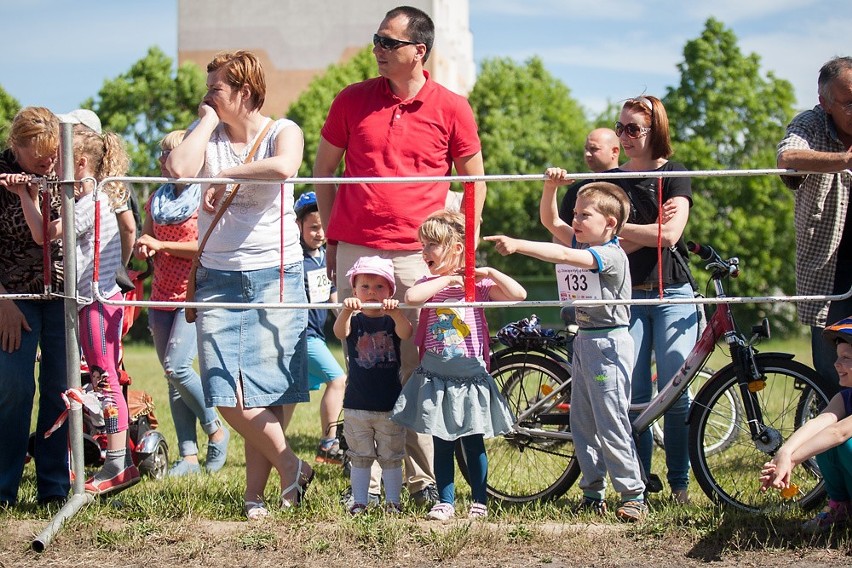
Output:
[[373, 265]]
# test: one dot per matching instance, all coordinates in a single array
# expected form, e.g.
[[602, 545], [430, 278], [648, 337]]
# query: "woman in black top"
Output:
[[667, 331]]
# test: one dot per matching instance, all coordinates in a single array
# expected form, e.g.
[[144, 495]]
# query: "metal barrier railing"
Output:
[[66, 183]]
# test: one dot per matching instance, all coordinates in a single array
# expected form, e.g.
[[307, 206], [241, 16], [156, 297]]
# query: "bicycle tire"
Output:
[[731, 478], [524, 468], [726, 424]]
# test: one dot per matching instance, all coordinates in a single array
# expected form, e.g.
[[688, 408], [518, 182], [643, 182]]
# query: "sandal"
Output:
[[300, 485], [255, 510]]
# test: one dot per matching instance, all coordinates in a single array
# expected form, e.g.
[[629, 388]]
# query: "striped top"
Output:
[[456, 332]]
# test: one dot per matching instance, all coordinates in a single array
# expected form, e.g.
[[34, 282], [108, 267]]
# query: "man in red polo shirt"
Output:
[[399, 124]]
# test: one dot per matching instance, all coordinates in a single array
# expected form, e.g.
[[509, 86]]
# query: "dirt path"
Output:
[[283, 544]]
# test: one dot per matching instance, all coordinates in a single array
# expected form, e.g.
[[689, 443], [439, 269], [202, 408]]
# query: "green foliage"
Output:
[[311, 108], [725, 115], [607, 117], [9, 107], [146, 103], [527, 121]]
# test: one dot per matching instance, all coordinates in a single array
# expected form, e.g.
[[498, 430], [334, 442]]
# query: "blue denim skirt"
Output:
[[265, 350]]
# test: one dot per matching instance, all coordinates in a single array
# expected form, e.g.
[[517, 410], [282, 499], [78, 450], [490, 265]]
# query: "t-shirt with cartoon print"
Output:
[[373, 382]]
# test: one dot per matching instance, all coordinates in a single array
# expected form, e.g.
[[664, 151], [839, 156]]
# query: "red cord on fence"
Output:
[[660, 235], [281, 249], [469, 204], [96, 266], [47, 268]]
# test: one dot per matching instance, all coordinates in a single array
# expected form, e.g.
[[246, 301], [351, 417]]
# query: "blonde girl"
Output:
[[451, 395], [98, 156]]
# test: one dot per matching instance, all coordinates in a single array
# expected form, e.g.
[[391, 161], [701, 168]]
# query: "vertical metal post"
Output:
[[79, 498]]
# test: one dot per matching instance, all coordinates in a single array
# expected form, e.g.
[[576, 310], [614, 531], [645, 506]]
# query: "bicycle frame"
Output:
[[738, 418], [550, 398], [721, 324]]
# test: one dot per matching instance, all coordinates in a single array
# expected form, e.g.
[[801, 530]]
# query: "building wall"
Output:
[[298, 39]]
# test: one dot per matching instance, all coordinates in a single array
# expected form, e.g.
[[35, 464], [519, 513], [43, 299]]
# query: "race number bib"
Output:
[[319, 286], [577, 283]]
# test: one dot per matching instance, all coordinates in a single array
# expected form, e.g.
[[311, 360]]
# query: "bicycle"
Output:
[[765, 396]]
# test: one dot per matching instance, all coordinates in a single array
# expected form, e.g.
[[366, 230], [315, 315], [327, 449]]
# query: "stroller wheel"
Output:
[[156, 464]]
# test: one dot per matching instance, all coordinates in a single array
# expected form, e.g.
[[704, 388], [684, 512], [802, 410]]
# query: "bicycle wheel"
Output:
[[536, 459], [725, 423], [792, 395]]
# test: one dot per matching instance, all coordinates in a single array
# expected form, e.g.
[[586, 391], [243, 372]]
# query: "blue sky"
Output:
[[59, 52]]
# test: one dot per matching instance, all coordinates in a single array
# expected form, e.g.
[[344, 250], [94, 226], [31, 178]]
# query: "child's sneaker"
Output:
[[122, 480], [632, 511], [441, 512], [591, 505], [357, 509], [393, 508], [328, 451], [348, 500], [836, 513], [477, 511]]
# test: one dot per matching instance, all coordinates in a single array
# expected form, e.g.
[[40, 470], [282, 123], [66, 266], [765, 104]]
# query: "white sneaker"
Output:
[[477, 511], [441, 512]]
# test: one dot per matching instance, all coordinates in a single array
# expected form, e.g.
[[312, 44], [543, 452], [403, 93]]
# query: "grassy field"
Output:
[[198, 521]]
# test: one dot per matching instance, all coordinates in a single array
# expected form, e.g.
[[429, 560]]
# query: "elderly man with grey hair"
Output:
[[820, 140]]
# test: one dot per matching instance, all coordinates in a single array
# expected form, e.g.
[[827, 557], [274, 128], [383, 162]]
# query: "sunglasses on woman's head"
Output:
[[389, 42], [632, 129]]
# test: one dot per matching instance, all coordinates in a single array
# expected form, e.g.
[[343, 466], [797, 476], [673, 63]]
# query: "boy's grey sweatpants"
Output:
[[600, 400]]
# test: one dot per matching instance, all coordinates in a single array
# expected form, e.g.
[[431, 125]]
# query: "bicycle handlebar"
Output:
[[704, 252], [709, 255]]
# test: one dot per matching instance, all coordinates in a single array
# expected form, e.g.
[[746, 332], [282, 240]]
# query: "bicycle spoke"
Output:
[[790, 397], [525, 467]]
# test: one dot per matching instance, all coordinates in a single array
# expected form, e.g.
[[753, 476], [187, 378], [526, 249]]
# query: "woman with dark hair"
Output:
[[666, 332], [252, 361]]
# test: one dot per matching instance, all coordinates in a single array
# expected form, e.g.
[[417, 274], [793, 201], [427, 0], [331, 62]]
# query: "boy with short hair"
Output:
[[322, 365], [603, 348]]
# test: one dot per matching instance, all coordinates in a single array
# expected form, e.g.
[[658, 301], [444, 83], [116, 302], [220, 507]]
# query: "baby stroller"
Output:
[[146, 444]]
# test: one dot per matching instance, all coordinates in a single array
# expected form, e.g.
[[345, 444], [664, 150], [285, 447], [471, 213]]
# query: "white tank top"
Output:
[[248, 236]]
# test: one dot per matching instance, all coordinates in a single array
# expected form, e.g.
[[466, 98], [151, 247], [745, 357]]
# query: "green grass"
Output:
[[161, 511]]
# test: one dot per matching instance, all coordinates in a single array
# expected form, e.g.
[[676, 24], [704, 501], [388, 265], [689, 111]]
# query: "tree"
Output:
[[146, 103], [725, 115], [9, 107], [527, 121], [311, 108]]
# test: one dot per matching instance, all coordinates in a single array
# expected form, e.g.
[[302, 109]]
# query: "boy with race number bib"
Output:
[[603, 348], [322, 366]]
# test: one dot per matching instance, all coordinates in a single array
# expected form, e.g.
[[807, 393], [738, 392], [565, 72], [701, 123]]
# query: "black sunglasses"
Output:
[[632, 129], [389, 42]]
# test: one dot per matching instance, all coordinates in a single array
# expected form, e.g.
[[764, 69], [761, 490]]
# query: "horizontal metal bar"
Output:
[[463, 179], [526, 303]]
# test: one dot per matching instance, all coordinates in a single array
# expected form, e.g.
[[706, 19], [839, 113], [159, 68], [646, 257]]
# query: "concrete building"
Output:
[[298, 39]]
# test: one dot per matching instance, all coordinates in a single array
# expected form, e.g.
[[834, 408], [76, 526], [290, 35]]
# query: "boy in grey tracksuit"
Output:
[[603, 348]]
